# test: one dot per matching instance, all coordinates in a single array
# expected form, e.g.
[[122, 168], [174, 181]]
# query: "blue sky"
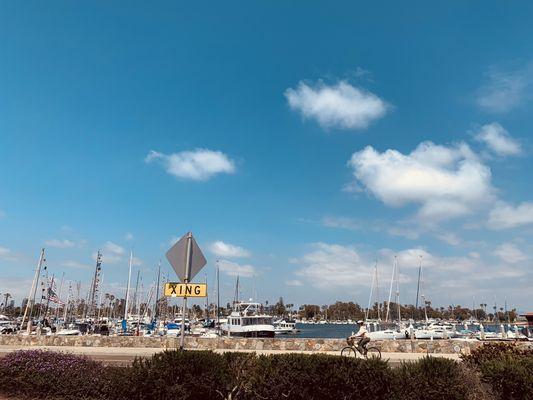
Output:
[[299, 142]]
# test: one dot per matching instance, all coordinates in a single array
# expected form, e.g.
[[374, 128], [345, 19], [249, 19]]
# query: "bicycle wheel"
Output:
[[348, 352], [373, 352]]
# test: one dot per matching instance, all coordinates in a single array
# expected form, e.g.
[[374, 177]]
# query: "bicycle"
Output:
[[351, 351]]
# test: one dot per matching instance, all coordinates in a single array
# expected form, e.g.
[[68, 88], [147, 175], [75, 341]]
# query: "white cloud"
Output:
[[341, 222], [112, 253], [128, 236], [228, 250], [331, 265], [505, 90], [508, 252], [233, 269], [7, 255], [341, 105], [448, 237], [505, 216], [60, 243], [75, 264], [497, 139], [445, 181], [294, 282], [198, 165]]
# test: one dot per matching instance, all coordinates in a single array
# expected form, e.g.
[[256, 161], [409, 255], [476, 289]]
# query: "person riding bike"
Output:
[[362, 336]]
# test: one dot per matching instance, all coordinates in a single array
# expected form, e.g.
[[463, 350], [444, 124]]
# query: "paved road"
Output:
[[124, 355]]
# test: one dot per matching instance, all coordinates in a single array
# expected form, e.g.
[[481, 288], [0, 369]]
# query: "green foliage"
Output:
[[51, 375], [198, 375], [506, 368], [298, 376], [436, 378], [496, 351]]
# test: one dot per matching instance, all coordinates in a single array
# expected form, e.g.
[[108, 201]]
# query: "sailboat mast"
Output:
[[33, 291], [377, 292], [398, 289], [390, 290], [418, 283], [370, 296], [218, 295], [156, 305], [128, 289]]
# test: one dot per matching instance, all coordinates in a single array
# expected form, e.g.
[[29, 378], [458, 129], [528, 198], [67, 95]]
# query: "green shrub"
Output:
[[202, 375], [437, 378], [184, 375], [46, 374], [510, 378], [506, 368], [495, 351], [299, 376]]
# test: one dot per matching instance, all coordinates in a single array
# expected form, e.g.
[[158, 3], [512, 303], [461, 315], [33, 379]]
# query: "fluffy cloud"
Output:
[[112, 253], [222, 249], [505, 90], [445, 181], [198, 165], [233, 269], [7, 255], [344, 270], [341, 105], [508, 252], [505, 216], [60, 243], [497, 139], [331, 265]]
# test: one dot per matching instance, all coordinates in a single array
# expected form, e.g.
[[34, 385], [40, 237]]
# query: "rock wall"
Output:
[[288, 344]]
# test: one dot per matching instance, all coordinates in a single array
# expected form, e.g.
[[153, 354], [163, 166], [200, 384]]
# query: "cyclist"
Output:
[[362, 336]]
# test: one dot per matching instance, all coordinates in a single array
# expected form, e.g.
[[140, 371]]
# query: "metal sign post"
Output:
[[186, 280], [187, 260]]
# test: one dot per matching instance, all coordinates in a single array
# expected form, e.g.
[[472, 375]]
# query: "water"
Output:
[[330, 331]]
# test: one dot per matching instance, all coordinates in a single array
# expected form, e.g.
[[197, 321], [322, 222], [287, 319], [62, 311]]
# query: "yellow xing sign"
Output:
[[185, 289]]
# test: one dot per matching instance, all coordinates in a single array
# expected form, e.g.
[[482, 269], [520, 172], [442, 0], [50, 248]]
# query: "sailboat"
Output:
[[400, 332]]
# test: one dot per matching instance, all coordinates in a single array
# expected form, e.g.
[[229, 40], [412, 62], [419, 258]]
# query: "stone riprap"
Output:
[[449, 346]]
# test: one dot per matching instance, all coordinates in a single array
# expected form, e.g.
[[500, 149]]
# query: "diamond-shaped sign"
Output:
[[177, 257]]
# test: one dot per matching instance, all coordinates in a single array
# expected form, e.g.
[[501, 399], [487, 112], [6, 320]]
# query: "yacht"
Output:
[[247, 320]]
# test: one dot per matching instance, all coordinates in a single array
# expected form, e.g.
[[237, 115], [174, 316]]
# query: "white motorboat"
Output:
[[285, 327], [247, 320]]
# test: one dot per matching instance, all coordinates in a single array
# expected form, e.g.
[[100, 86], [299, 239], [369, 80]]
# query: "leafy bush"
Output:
[[299, 376], [195, 375], [493, 351], [507, 368], [437, 378], [51, 375]]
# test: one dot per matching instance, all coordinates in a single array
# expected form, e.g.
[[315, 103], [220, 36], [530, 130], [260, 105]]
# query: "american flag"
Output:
[[52, 296]]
